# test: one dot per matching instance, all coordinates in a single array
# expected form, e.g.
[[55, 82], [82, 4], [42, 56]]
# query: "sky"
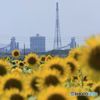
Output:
[[26, 18]]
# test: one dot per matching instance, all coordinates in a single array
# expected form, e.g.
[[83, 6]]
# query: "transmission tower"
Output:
[[57, 37]]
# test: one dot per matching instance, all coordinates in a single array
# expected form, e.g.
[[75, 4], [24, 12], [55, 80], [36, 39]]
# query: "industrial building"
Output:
[[37, 43], [13, 44]]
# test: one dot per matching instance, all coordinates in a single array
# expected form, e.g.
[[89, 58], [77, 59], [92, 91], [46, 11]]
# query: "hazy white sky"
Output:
[[25, 18]]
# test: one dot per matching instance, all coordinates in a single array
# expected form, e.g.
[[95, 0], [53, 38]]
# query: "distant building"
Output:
[[73, 43], [37, 43], [17, 45], [13, 44]]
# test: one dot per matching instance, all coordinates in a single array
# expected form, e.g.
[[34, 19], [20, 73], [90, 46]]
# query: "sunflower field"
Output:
[[47, 77]]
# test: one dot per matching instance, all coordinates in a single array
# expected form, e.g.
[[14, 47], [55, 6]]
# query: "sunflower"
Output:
[[75, 80], [33, 83], [84, 98], [4, 67], [42, 59], [21, 64], [59, 65], [32, 60], [72, 64], [13, 94], [50, 78], [96, 88], [90, 59], [16, 53], [8, 59], [12, 81], [55, 93], [14, 63], [48, 57], [75, 53]]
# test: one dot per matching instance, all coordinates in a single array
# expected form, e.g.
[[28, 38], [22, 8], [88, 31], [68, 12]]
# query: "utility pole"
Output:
[[24, 50]]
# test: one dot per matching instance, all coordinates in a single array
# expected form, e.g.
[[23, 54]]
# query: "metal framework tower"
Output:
[[57, 37]]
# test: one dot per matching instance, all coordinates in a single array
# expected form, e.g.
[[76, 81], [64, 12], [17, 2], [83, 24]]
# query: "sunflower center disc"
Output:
[[56, 97], [13, 83], [34, 83], [58, 67], [43, 59], [72, 66], [3, 71], [76, 56], [16, 53], [97, 90], [94, 59], [21, 64], [82, 98], [51, 80], [16, 97], [31, 60]]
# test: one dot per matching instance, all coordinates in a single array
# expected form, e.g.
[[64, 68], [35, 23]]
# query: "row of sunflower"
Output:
[[52, 77]]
